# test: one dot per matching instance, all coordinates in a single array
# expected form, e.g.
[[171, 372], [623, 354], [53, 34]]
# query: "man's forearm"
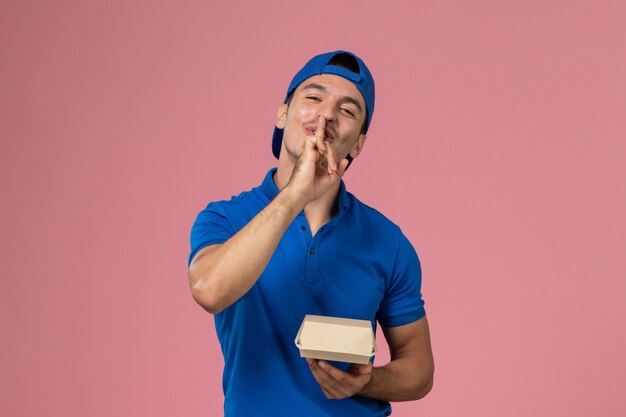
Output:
[[221, 278], [399, 380]]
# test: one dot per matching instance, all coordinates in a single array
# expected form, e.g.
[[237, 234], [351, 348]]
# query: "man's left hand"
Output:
[[337, 384]]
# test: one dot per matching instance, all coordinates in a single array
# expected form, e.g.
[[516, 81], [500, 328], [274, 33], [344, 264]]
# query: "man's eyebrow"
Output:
[[315, 86], [349, 99]]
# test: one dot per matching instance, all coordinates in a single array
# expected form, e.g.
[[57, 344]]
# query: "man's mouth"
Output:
[[328, 136]]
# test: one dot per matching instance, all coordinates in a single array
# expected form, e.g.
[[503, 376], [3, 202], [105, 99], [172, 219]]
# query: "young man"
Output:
[[301, 244]]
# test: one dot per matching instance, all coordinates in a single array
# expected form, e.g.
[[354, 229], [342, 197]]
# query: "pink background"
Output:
[[498, 144]]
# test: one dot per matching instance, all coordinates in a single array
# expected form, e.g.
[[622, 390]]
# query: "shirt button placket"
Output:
[[312, 261]]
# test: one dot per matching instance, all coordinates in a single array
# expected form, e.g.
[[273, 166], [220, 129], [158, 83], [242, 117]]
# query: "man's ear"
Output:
[[358, 146], [281, 116]]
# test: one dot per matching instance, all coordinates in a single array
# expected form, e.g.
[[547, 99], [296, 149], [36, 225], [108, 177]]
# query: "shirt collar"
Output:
[[268, 186]]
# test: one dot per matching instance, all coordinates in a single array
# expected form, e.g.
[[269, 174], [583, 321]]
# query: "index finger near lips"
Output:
[[321, 125], [330, 155], [322, 146]]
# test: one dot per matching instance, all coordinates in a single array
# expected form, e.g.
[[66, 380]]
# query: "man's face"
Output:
[[333, 97]]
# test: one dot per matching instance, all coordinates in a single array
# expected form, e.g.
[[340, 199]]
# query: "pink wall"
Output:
[[498, 144]]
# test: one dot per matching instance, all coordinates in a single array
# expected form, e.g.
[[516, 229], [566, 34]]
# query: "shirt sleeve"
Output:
[[211, 227], [403, 302]]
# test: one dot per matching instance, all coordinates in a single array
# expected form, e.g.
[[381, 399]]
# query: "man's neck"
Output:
[[317, 212]]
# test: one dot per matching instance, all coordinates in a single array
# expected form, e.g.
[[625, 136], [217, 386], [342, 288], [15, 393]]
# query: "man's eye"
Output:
[[348, 111], [314, 98]]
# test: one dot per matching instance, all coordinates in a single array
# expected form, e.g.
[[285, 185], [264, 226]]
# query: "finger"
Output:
[[320, 375], [316, 144], [315, 150], [326, 382], [321, 126], [341, 167], [319, 133], [336, 374], [328, 394], [319, 143], [332, 160], [339, 383]]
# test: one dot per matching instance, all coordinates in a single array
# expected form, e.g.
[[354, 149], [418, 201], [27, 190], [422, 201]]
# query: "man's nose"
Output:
[[328, 111]]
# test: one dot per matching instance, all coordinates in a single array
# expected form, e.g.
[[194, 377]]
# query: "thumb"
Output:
[[365, 369]]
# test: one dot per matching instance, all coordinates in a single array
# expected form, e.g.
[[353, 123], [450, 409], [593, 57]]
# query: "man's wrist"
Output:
[[289, 202], [366, 390]]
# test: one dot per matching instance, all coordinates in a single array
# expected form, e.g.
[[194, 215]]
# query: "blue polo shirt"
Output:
[[359, 265]]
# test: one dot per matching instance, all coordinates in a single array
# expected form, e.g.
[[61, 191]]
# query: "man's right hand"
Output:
[[218, 277], [317, 169]]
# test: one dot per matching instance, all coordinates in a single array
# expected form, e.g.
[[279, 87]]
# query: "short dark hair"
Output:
[[341, 60]]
